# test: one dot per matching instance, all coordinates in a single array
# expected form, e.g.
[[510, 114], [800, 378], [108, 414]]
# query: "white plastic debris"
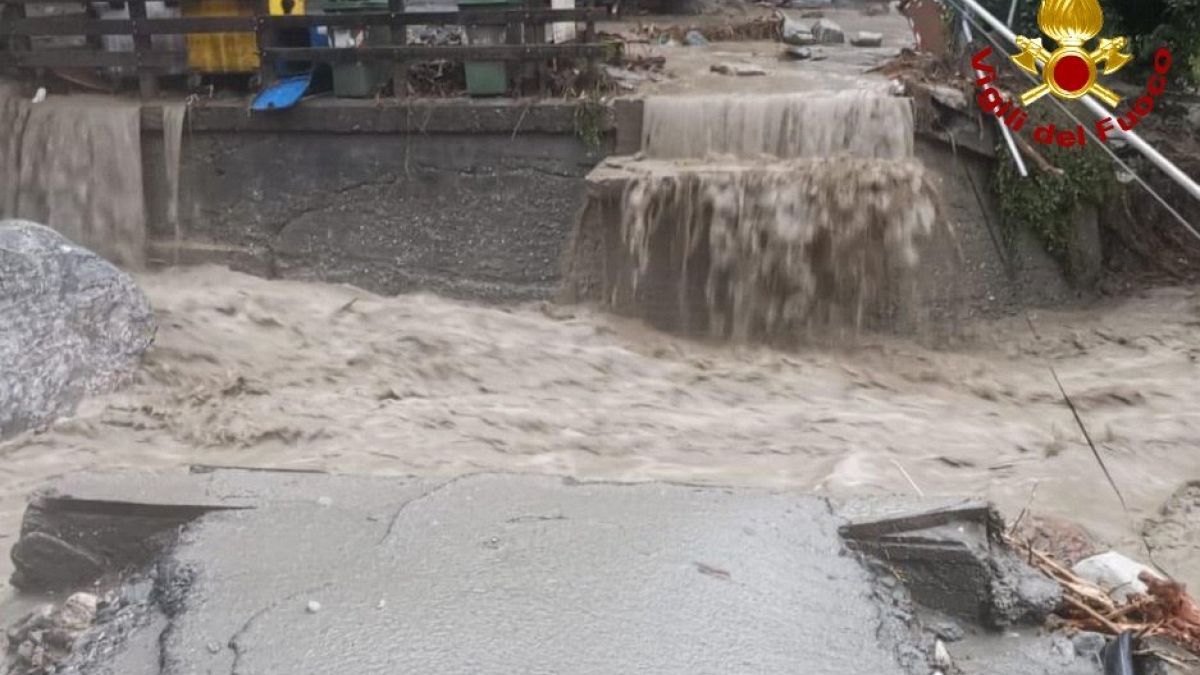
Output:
[[313, 607], [325, 501], [39, 95], [381, 604], [78, 612], [941, 656], [1114, 573]]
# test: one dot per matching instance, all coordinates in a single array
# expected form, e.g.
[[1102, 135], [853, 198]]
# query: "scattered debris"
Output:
[[693, 38], [762, 28], [1163, 610], [39, 96], [867, 39], [950, 97], [45, 637], [324, 501], [1063, 540], [740, 69], [312, 607], [624, 79]]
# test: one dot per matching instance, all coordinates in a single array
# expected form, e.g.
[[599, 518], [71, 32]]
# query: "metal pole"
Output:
[[1176, 174], [1008, 139]]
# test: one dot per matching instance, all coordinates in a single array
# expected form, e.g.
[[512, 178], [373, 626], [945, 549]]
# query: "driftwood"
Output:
[[1165, 610]]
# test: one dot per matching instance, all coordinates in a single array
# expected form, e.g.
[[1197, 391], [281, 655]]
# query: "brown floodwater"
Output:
[[247, 371]]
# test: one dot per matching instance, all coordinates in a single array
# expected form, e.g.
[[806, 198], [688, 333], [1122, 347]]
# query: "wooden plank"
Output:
[[449, 53], [90, 58], [473, 17], [147, 81], [82, 25], [264, 37], [20, 43], [399, 38]]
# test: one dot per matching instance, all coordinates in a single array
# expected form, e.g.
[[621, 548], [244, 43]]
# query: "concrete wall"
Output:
[[472, 204]]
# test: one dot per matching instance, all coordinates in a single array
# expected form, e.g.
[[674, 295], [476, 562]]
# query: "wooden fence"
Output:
[[525, 37]]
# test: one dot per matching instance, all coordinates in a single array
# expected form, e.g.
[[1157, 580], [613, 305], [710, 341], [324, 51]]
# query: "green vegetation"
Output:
[[589, 118], [1047, 203]]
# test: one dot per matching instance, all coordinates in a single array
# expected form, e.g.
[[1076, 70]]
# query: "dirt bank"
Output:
[[287, 374]]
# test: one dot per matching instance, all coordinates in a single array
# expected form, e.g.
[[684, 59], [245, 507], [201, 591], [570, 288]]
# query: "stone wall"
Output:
[[469, 200]]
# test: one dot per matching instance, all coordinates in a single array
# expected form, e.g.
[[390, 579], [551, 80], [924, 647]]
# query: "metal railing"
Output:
[[528, 24], [1137, 142]]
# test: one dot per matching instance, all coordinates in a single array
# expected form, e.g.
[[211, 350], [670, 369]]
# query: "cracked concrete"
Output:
[[503, 573]]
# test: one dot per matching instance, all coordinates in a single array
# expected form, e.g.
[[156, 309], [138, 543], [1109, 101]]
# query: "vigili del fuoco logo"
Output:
[[1070, 71]]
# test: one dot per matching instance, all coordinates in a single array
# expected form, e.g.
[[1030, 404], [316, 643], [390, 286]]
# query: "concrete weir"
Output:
[[239, 571], [772, 215]]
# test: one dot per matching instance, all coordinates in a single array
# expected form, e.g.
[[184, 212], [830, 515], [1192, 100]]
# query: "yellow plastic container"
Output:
[[228, 52]]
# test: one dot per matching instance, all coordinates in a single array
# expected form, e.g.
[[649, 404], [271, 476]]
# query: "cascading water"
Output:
[[174, 115], [771, 217], [780, 126], [75, 163]]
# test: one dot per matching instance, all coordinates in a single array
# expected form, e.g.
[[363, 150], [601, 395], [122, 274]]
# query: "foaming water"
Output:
[[775, 217], [784, 126], [776, 249], [75, 164], [174, 115]]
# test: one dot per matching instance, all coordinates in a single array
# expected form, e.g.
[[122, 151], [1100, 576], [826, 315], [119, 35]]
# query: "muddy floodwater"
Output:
[[253, 372]]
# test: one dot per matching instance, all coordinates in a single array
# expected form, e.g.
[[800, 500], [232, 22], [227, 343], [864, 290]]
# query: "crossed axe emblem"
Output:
[[1070, 71]]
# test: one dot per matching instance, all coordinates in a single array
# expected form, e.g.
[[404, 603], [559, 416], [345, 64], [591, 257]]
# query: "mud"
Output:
[[271, 373]]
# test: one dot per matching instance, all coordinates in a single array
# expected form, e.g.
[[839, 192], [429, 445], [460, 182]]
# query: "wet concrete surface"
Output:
[[505, 573]]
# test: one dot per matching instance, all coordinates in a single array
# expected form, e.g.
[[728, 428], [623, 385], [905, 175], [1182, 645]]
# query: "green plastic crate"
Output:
[[486, 78]]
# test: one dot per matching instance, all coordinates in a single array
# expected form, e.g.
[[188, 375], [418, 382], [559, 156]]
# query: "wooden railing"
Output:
[[528, 24]]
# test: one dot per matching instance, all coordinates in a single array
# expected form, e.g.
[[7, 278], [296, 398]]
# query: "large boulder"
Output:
[[71, 325]]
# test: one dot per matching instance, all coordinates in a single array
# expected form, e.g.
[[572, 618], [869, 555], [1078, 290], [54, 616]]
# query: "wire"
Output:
[[1103, 146]]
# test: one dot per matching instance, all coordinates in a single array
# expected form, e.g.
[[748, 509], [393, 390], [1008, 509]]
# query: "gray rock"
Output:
[[48, 560], [828, 32], [74, 325], [797, 53], [797, 33], [739, 69], [693, 38], [1088, 645], [867, 39], [948, 630]]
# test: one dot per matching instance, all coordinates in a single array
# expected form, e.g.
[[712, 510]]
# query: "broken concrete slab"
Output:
[[953, 561], [497, 574]]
